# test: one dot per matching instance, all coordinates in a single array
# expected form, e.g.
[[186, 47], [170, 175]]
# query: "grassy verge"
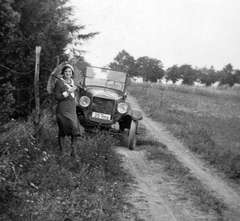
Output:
[[206, 120], [38, 184]]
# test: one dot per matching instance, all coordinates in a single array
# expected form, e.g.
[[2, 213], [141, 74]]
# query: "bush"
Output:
[[38, 184]]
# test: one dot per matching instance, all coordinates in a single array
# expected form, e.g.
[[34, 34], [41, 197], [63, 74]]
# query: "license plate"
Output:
[[101, 116]]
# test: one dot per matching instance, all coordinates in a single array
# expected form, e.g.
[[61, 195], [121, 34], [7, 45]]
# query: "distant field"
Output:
[[207, 120]]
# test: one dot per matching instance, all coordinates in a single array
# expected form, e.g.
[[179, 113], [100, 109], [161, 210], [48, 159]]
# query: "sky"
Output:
[[201, 33]]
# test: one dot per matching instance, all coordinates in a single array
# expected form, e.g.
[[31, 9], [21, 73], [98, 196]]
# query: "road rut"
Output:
[[154, 196]]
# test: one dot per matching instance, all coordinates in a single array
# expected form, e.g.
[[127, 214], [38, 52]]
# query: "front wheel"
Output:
[[132, 135]]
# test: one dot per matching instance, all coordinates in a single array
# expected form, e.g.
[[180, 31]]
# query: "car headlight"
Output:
[[84, 101], [122, 108]]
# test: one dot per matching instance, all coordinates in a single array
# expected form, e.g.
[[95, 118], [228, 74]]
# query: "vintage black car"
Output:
[[102, 105]]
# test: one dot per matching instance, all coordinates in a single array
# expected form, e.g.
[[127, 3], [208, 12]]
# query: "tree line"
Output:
[[151, 69], [25, 24]]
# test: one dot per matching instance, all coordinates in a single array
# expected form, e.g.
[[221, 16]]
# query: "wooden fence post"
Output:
[[36, 91]]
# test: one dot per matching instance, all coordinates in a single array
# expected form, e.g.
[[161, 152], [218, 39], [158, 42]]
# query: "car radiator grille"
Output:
[[102, 105]]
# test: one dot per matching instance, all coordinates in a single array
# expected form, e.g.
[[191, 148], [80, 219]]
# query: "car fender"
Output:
[[136, 114]]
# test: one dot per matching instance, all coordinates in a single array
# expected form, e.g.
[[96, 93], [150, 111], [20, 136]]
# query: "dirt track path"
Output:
[[154, 195]]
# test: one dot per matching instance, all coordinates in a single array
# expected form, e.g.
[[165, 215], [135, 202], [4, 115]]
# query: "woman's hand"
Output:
[[72, 89], [65, 93]]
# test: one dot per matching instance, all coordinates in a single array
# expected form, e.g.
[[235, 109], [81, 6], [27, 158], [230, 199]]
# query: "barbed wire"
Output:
[[26, 102], [16, 89], [47, 69], [19, 89], [9, 89], [16, 71]]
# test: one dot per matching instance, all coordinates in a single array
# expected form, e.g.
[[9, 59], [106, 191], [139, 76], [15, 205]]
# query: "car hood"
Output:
[[104, 93]]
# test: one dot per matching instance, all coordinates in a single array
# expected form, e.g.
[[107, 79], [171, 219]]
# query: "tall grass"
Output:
[[36, 183], [207, 120]]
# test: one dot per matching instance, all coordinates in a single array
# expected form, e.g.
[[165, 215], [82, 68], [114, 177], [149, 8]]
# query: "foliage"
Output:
[[172, 74], [80, 64], [47, 23], [150, 69], [36, 183], [124, 62], [207, 76], [226, 75], [188, 74], [8, 21], [237, 76]]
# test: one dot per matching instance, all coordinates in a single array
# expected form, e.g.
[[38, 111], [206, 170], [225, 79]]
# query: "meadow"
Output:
[[206, 120]]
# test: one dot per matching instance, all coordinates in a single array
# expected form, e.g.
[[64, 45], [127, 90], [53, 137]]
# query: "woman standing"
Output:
[[67, 119]]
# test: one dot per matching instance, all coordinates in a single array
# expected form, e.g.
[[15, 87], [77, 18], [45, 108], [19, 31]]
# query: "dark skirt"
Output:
[[67, 118]]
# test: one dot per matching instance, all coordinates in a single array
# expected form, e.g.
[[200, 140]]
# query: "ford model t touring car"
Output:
[[101, 103]]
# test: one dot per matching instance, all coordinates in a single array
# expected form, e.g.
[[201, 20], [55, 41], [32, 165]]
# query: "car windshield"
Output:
[[105, 78]]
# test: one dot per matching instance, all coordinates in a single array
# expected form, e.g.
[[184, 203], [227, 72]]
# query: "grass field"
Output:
[[36, 183], [207, 120]]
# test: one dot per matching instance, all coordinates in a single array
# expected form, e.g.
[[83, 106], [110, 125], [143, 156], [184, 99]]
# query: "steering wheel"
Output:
[[114, 83]]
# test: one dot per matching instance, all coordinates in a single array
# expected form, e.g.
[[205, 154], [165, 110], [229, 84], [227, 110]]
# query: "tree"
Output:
[[173, 74], [79, 66], [188, 74], [124, 62], [237, 77], [207, 76], [150, 69], [226, 75], [46, 23], [9, 19]]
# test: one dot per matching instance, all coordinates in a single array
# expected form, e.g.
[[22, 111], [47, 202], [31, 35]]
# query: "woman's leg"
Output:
[[61, 143], [73, 144]]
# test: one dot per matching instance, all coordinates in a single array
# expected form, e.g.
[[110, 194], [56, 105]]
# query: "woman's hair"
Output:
[[67, 66]]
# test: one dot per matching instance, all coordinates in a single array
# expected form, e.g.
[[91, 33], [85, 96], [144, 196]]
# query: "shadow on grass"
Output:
[[150, 141]]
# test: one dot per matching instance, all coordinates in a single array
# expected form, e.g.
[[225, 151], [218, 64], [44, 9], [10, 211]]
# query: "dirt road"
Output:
[[155, 195]]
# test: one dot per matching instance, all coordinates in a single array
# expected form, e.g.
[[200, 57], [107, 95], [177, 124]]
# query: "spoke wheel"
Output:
[[132, 135]]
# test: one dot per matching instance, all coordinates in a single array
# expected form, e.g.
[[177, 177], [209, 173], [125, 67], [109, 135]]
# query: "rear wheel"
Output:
[[132, 135]]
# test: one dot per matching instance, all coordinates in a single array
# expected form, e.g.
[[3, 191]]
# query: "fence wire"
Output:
[[16, 72]]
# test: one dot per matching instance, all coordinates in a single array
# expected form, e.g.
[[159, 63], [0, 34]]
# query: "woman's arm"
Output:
[[60, 91]]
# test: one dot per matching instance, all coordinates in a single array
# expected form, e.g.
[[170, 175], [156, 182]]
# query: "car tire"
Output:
[[132, 135]]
